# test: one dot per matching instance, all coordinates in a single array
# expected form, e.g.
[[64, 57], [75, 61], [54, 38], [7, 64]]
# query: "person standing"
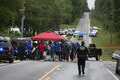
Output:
[[68, 47], [29, 49], [63, 50], [52, 51], [58, 50], [82, 52], [41, 49], [72, 52], [21, 51]]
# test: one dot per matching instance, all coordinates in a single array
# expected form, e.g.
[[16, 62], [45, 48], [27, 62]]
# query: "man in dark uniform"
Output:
[[82, 57], [21, 51]]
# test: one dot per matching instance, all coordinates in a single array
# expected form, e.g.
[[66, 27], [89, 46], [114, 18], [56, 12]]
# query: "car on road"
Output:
[[62, 32], [6, 50], [57, 32], [83, 16], [93, 33], [70, 32], [95, 28], [94, 52], [116, 54]]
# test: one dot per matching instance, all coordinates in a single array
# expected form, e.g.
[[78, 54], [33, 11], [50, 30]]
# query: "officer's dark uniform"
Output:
[[21, 51], [82, 57]]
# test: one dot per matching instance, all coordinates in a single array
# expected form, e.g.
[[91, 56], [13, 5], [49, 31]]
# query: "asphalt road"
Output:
[[41, 70], [36, 70], [84, 26]]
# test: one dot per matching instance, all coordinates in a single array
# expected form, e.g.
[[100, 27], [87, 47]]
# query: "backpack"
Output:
[[82, 52]]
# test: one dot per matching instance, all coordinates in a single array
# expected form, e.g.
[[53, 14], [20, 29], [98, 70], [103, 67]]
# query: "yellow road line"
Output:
[[49, 72], [16, 61]]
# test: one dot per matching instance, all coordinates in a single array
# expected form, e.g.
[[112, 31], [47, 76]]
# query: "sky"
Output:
[[91, 4]]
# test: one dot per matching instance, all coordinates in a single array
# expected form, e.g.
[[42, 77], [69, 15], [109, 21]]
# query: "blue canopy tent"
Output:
[[80, 33]]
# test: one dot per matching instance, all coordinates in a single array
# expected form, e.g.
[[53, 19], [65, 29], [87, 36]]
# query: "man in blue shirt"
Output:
[[58, 50]]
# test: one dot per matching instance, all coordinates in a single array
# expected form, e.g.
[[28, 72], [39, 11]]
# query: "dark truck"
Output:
[[94, 52], [118, 66], [116, 56], [6, 50]]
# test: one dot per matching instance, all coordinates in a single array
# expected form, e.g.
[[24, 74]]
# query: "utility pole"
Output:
[[13, 21], [22, 11]]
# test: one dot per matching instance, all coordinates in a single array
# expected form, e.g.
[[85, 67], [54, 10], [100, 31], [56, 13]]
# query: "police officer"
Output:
[[82, 57], [21, 51]]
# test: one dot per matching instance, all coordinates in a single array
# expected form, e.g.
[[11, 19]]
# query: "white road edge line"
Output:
[[116, 78], [8, 65], [112, 74]]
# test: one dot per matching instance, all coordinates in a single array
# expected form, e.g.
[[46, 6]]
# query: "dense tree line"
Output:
[[9, 10], [117, 15], [108, 12], [41, 15]]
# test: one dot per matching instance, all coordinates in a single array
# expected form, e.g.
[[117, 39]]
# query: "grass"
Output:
[[10, 35], [103, 41], [73, 25], [13, 36], [7, 34]]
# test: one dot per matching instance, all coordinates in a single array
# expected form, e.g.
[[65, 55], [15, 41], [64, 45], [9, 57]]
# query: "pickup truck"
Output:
[[94, 52]]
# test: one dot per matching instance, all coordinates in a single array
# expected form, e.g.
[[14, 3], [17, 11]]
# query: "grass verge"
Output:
[[103, 41], [73, 25], [11, 35]]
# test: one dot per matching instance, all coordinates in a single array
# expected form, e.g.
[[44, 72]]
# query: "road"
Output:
[[43, 70], [84, 26], [40, 70]]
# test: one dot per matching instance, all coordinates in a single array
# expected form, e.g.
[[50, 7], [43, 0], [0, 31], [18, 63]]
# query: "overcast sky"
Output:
[[91, 3]]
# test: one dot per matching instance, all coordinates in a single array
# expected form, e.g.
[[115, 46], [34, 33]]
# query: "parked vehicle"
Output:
[[6, 50], [95, 28], [57, 32], [116, 54], [93, 33], [118, 66], [70, 32], [94, 52], [65, 30], [62, 32], [20, 48], [83, 16]]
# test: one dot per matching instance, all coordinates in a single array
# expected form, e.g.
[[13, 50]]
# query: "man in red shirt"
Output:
[[41, 49]]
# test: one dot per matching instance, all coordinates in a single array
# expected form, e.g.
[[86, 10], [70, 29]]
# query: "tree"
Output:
[[117, 15], [104, 10], [8, 10], [41, 15], [66, 8], [79, 7]]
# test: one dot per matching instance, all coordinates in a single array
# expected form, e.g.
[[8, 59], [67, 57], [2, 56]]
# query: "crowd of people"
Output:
[[52, 50]]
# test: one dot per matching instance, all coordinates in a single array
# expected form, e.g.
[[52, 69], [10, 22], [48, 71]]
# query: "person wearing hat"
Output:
[[82, 52]]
